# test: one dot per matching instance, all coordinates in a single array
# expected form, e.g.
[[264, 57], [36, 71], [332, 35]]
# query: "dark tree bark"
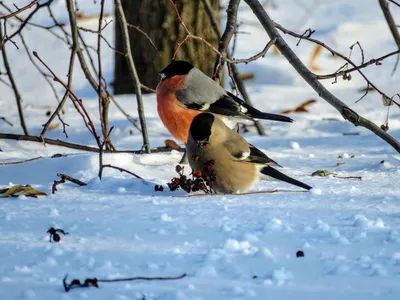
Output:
[[158, 19]]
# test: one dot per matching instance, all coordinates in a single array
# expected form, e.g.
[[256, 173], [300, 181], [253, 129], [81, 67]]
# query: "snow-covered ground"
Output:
[[230, 247]]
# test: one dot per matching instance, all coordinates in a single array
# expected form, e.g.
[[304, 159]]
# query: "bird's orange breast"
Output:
[[175, 117]]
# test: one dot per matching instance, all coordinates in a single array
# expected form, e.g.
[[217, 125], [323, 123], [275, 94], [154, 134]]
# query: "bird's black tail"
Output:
[[271, 172], [255, 113]]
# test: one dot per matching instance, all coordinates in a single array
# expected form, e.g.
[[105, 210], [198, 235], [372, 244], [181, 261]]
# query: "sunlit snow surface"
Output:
[[230, 247]]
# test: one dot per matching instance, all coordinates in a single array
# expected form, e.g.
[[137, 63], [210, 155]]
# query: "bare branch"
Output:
[[14, 86], [120, 169], [146, 35], [334, 53], [20, 10], [133, 72], [226, 37], [19, 137], [85, 115], [310, 78], [389, 19], [255, 57]]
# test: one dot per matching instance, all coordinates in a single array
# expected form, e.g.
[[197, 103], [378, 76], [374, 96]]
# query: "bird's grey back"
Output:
[[199, 89]]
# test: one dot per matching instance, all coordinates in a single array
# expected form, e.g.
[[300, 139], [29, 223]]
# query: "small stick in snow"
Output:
[[119, 169], [348, 177], [63, 179], [242, 194], [5, 120], [20, 161], [75, 283]]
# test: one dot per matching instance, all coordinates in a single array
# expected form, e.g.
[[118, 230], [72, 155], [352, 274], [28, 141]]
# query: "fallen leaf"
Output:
[[300, 108], [275, 50], [322, 173], [19, 189], [247, 76], [84, 17], [314, 55], [171, 144]]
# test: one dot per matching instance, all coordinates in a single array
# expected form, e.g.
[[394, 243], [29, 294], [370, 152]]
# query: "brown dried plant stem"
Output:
[[88, 75], [13, 84], [311, 79], [133, 72]]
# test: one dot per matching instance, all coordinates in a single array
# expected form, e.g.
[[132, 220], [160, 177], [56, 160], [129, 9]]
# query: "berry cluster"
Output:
[[198, 179]]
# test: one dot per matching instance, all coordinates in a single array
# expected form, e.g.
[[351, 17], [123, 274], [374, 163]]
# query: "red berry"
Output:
[[197, 173]]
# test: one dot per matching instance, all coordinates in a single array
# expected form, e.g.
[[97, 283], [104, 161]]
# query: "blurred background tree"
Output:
[[158, 20]]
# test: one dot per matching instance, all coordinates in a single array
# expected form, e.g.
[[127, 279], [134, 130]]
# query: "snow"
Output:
[[230, 246]]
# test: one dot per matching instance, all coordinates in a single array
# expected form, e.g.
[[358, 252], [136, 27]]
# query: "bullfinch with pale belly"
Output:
[[184, 92], [238, 165]]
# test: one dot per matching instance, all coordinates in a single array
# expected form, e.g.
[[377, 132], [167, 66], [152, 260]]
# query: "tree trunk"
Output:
[[157, 18]]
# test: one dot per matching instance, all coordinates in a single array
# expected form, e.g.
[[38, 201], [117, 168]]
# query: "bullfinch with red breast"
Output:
[[238, 165], [184, 92]]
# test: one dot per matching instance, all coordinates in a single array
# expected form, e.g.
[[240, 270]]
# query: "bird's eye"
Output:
[[162, 75]]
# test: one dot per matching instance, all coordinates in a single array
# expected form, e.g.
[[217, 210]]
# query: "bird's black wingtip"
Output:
[[271, 172], [272, 117]]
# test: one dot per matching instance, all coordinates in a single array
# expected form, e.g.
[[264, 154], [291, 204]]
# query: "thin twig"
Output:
[[146, 35], [20, 10], [75, 283], [26, 21], [234, 73], [310, 78], [37, 139], [14, 86], [226, 37], [390, 21], [20, 161], [120, 169], [395, 3], [242, 194], [373, 61], [85, 115], [255, 57], [133, 72], [333, 52], [82, 61], [63, 179], [6, 121], [64, 98]]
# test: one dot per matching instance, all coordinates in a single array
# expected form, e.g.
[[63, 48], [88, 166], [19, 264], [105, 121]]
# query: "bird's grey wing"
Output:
[[200, 91]]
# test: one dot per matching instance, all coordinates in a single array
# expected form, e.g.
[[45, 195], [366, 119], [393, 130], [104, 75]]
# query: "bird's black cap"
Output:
[[176, 67], [200, 129]]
